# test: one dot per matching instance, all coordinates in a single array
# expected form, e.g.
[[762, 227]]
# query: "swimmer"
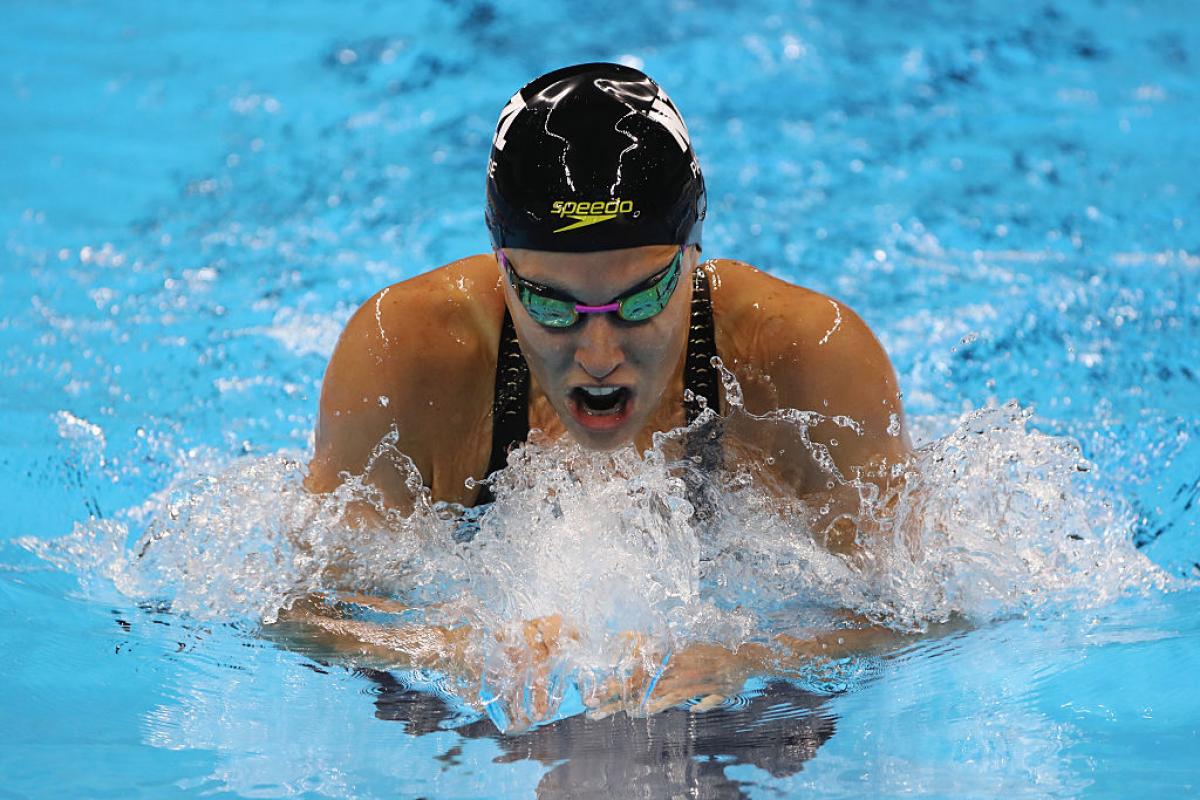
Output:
[[594, 318]]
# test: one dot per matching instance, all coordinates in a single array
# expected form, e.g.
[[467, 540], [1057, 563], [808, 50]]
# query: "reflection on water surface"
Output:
[[671, 754]]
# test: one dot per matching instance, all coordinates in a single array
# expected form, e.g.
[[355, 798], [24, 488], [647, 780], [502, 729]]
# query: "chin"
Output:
[[601, 441]]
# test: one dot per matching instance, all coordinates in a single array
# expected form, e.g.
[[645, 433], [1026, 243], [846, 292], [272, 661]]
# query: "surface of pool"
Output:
[[196, 196]]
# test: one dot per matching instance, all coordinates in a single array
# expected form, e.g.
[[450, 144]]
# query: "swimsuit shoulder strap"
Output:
[[702, 446], [510, 403], [699, 374]]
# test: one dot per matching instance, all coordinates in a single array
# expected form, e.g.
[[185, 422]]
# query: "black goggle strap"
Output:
[[522, 284]]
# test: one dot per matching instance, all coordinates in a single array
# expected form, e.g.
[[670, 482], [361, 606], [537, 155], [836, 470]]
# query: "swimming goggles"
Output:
[[554, 309]]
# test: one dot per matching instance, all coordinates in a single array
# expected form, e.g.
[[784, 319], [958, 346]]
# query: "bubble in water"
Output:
[[893, 427]]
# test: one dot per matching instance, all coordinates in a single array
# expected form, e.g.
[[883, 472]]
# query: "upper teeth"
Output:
[[599, 391]]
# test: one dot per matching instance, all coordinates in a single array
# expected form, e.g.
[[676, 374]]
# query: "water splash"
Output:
[[989, 521]]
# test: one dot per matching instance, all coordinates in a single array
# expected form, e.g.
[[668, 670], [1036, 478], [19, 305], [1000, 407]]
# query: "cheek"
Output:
[[658, 346], [647, 351], [548, 355]]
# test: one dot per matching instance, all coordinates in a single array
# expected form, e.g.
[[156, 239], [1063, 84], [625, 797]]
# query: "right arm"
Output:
[[368, 423], [414, 366], [325, 631], [400, 409]]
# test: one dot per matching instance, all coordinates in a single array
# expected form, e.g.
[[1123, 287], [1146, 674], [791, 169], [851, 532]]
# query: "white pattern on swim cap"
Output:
[[516, 105], [663, 111]]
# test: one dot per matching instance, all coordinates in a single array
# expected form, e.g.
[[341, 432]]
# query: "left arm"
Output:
[[837, 367], [818, 357], [713, 672]]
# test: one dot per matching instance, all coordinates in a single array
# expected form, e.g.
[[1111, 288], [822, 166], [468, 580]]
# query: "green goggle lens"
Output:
[[651, 301], [548, 311]]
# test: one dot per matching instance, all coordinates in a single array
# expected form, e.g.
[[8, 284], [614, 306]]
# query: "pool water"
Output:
[[197, 197]]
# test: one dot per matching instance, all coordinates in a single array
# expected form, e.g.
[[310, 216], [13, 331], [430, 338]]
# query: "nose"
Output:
[[598, 348]]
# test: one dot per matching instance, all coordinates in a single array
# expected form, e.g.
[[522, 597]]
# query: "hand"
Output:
[[708, 671], [526, 663]]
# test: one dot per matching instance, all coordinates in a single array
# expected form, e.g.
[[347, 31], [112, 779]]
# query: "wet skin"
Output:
[[421, 356]]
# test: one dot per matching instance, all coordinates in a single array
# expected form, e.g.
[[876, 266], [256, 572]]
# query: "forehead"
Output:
[[602, 273]]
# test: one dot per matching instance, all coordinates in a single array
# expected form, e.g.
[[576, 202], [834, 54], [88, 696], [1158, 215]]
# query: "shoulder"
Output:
[[774, 323], [412, 320], [437, 324], [793, 347], [413, 358]]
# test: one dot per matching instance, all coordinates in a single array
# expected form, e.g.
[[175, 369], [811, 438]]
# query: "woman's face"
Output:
[[603, 376]]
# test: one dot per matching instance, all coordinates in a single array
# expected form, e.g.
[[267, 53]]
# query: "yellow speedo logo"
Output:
[[589, 213]]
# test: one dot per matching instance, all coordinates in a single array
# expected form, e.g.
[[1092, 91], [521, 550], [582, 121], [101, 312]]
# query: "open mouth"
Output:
[[600, 407]]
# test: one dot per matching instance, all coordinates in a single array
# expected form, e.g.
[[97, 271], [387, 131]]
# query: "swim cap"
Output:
[[593, 157]]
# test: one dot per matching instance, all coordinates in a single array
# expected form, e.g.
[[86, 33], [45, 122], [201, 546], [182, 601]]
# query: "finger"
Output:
[[605, 710], [707, 703], [670, 699], [518, 707], [602, 693], [541, 689], [552, 627], [661, 700], [675, 689], [531, 632], [619, 695], [633, 688]]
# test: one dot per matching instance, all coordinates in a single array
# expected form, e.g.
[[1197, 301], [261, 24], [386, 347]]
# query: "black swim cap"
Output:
[[593, 157]]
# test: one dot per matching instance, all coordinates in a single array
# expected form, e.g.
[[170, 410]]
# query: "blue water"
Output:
[[196, 198]]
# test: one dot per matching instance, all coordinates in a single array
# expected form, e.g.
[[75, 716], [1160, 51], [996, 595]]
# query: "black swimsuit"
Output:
[[510, 406]]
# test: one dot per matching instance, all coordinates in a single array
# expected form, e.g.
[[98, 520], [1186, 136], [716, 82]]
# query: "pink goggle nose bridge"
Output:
[[582, 309]]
